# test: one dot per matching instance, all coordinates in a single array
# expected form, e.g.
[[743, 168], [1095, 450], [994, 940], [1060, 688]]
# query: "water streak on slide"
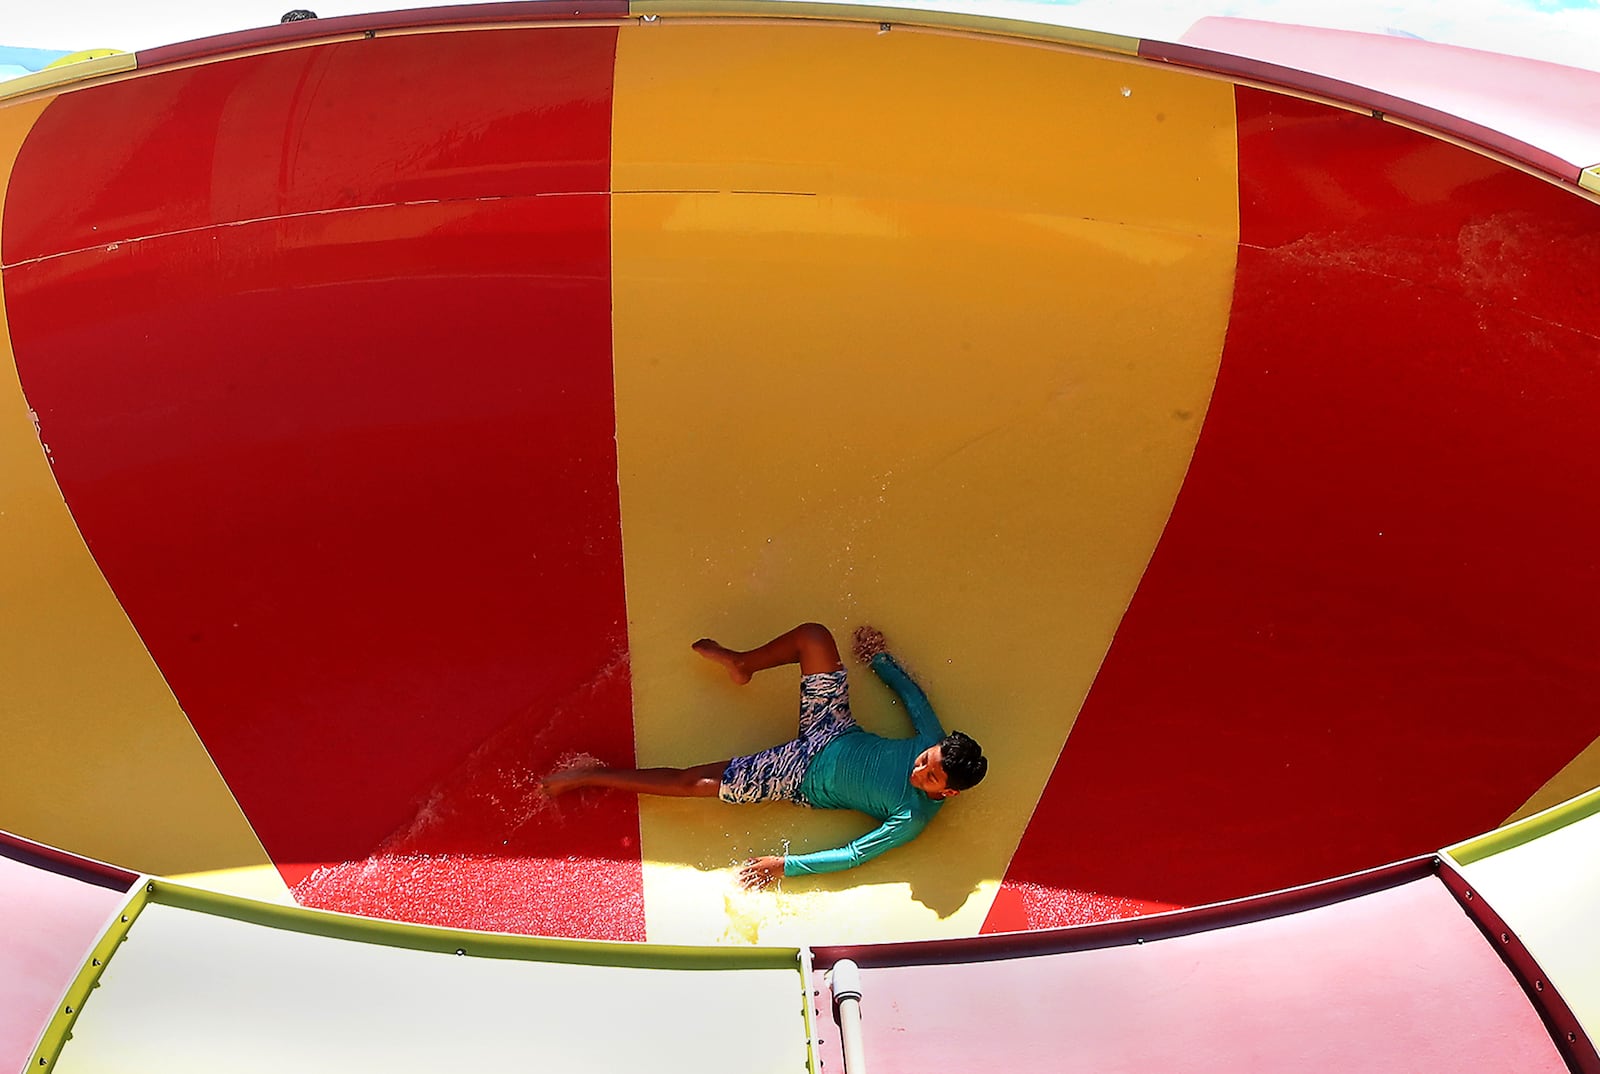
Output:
[[387, 402]]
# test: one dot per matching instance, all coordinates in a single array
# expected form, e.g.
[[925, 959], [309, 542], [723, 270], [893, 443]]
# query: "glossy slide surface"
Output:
[[389, 404], [1366, 623]]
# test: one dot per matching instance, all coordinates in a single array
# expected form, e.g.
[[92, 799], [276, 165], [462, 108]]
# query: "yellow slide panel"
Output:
[[1581, 774], [99, 758], [893, 346]]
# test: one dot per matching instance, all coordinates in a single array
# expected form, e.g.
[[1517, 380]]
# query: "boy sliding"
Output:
[[832, 764]]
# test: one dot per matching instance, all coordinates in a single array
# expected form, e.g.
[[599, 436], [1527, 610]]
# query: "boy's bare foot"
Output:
[[868, 642], [721, 654], [571, 779]]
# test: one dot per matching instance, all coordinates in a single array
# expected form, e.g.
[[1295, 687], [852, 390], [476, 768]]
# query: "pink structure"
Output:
[[54, 907]]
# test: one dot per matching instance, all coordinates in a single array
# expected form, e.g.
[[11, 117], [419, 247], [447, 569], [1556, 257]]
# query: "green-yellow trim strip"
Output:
[[808, 990], [1589, 178], [893, 16], [461, 941], [1526, 830], [55, 1035], [68, 73]]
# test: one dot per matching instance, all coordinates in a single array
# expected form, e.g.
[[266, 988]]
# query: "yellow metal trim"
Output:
[[56, 77], [465, 942], [85, 54], [808, 992], [1589, 179], [1526, 831], [59, 1029], [892, 16]]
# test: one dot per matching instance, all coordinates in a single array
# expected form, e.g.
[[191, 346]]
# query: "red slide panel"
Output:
[[1377, 590], [330, 399]]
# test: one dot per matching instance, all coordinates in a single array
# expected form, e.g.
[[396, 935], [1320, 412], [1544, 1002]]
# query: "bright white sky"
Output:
[[1564, 31]]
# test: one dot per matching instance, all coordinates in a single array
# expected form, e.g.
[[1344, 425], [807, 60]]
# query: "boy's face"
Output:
[[927, 774]]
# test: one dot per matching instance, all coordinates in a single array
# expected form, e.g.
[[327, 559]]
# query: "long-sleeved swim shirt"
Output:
[[871, 774]]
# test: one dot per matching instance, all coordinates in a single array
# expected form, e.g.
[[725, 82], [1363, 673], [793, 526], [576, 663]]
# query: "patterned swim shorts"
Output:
[[774, 775]]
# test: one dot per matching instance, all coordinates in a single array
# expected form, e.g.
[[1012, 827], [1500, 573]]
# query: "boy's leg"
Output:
[[810, 645], [701, 781]]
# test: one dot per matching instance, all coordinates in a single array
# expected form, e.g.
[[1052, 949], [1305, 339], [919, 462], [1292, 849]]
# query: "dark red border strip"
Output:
[[1166, 52], [1380, 104], [40, 856], [1162, 51], [1134, 930], [1570, 1039], [419, 18]]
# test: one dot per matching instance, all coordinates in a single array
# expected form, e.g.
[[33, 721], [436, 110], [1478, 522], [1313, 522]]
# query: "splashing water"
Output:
[[485, 847]]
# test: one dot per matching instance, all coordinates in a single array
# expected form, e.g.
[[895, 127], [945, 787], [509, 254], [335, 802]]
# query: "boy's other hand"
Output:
[[759, 873], [868, 643]]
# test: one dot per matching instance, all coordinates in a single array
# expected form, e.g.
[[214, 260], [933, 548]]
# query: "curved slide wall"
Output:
[[408, 428], [726, 352]]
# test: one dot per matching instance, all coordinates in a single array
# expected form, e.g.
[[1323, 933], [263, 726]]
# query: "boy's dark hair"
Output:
[[964, 762]]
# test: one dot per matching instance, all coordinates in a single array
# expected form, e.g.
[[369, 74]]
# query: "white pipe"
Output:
[[846, 985]]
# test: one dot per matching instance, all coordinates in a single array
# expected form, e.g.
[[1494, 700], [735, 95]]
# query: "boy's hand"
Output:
[[868, 643], [759, 873]]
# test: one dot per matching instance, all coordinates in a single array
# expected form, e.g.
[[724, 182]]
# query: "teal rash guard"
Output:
[[870, 774]]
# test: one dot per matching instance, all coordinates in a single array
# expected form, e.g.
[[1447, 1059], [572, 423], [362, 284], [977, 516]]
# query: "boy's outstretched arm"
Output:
[[871, 649], [899, 829]]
